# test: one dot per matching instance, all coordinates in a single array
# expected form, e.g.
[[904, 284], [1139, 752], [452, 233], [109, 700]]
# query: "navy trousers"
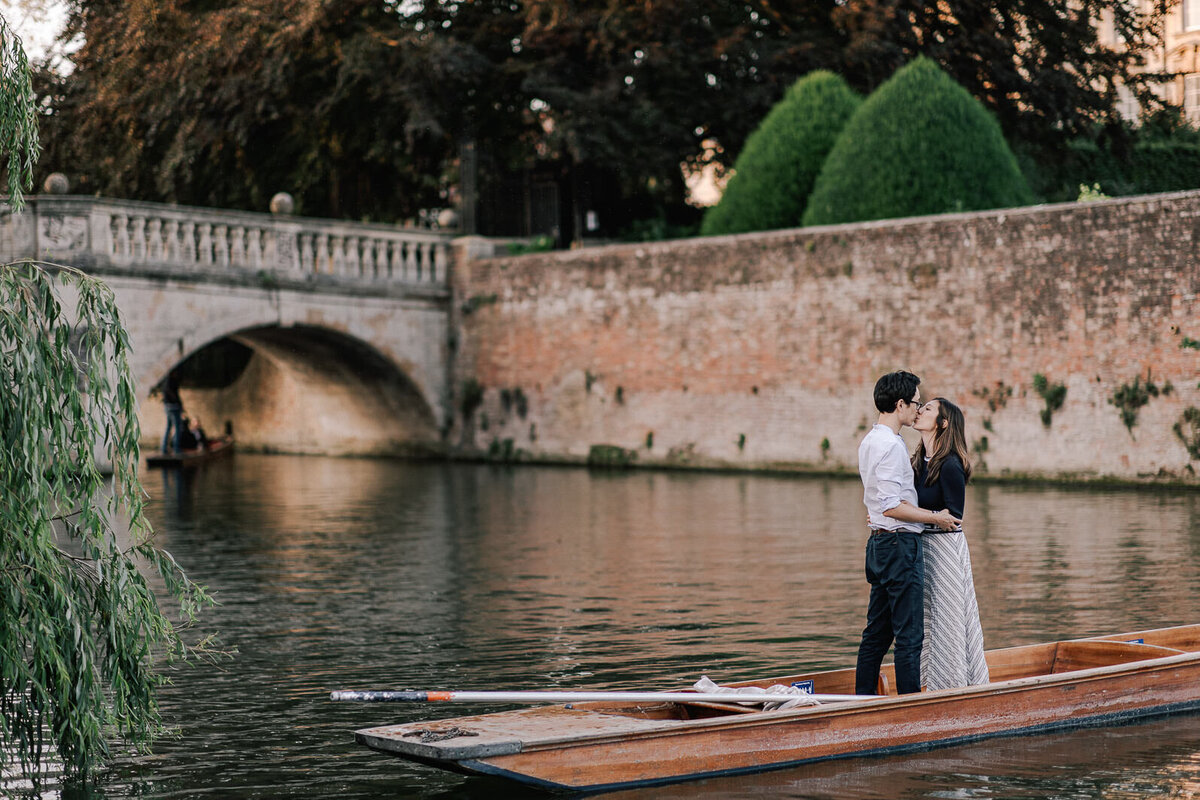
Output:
[[896, 611], [171, 435]]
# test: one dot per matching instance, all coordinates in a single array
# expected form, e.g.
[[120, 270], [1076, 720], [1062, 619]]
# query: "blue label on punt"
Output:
[[804, 686], [1136, 641]]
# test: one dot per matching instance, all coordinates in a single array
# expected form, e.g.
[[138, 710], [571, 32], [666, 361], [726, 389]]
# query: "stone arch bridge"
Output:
[[304, 335]]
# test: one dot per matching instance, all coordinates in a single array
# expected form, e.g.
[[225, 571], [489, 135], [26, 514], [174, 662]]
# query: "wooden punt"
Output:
[[217, 448], [602, 746]]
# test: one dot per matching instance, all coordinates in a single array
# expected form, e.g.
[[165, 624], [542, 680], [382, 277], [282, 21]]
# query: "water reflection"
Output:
[[336, 573]]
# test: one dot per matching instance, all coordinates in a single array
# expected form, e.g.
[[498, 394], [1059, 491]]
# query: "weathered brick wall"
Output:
[[761, 350]]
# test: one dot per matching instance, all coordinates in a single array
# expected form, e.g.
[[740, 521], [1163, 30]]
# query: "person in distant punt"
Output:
[[895, 565], [952, 654], [173, 408], [187, 439], [198, 434]]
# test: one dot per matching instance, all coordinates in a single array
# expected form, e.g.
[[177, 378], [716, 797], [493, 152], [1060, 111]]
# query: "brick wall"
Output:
[[761, 350]]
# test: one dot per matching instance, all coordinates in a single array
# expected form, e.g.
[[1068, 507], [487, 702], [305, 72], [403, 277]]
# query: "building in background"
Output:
[[1178, 54]]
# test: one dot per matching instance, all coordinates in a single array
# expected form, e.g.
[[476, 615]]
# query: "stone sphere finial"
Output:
[[447, 218], [56, 183], [282, 203]]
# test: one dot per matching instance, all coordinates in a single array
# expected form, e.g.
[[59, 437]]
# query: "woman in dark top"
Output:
[[952, 654]]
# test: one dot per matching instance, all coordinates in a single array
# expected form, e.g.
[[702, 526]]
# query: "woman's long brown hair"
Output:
[[948, 438]]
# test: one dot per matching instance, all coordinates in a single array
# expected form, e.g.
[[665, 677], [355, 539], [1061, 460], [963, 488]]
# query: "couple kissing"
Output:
[[917, 560]]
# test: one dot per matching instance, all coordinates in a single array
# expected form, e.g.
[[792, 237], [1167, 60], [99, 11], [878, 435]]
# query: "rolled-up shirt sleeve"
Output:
[[894, 474], [887, 478]]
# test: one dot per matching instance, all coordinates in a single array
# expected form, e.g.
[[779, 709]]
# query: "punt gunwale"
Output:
[[922, 706]]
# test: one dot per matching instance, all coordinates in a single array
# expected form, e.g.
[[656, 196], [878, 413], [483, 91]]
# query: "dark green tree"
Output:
[[920, 144], [361, 108], [641, 86], [775, 172], [1038, 65], [224, 104]]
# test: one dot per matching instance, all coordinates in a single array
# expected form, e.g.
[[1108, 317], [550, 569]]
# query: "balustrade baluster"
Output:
[[137, 239], [337, 254], [170, 234], [120, 224], [187, 243], [353, 264], [221, 245], [410, 261], [367, 268], [378, 258], [391, 260], [237, 246], [398, 261], [154, 240], [307, 256], [204, 249]]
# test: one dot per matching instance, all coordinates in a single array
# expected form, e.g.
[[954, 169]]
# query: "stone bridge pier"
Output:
[[303, 336]]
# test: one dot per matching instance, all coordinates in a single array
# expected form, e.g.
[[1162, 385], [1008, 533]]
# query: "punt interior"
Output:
[[1026, 661]]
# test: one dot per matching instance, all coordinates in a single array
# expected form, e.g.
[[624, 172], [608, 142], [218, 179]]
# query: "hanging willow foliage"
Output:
[[18, 116], [82, 634]]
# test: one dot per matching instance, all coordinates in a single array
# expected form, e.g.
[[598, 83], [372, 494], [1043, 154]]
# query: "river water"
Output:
[[339, 573]]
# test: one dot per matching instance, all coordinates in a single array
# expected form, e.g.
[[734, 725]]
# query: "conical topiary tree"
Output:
[[920, 144], [775, 171]]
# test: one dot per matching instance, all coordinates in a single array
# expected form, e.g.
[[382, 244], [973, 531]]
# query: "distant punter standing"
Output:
[[895, 563]]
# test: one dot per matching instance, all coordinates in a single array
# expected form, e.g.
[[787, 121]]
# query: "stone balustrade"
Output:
[[122, 235]]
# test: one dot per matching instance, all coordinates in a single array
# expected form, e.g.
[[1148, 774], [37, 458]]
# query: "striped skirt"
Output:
[[952, 654]]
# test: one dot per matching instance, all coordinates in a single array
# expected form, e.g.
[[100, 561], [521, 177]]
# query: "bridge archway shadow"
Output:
[[306, 389]]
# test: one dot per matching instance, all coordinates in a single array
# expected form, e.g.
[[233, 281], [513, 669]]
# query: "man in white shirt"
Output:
[[895, 562]]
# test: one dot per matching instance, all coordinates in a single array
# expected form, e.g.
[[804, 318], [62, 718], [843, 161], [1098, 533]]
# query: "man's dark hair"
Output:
[[894, 387]]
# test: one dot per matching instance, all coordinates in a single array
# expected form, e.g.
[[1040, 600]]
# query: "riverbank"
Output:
[[520, 458]]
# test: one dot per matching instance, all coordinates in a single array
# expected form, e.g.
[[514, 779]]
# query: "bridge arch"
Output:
[[300, 389]]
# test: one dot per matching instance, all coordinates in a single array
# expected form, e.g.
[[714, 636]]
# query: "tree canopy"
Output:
[[243, 100], [1039, 66], [360, 108], [920, 144], [775, 171]]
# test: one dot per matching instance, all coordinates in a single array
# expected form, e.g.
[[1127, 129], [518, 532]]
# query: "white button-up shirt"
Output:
[[887, 477]]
